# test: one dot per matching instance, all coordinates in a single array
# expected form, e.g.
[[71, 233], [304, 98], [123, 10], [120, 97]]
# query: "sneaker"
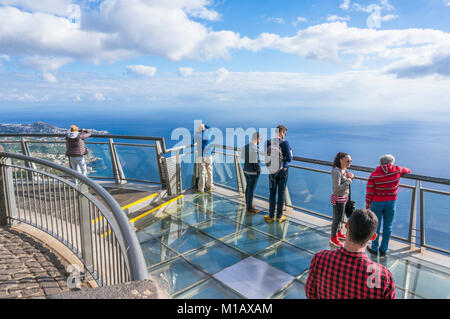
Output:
[[199, 192], [208, 190], [340, 235], [268, 219], [281, 219], [335, 241], [373, 252], [382, 254]]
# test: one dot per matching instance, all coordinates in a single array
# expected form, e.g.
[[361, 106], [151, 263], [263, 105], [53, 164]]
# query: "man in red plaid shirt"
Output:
[[347, 273]]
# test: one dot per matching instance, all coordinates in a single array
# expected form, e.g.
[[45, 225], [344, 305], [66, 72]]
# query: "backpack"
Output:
[[274, 156]]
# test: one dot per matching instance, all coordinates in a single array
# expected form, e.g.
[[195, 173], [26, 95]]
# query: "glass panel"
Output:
[[176, 275], [52, 152], [287, 258], [437, 220], [281, 230], [99, 160], [138, 162], [159, 227], [401, 294], [310, 190], [187, 170], [421, 281], [12, 148], [310, 240], [224, 171], [250, 219], [215, 258], [220, 227], [154, 252], [210, 289], [226, 207], [262, 186], [250, 241], [400, 225], [194, 216], [185, 240], [295, 291]]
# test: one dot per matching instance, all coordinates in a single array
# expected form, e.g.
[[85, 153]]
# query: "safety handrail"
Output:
[[114, 215]]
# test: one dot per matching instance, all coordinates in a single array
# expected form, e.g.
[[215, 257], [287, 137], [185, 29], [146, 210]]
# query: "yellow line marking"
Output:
[[140, 201], [155, 209], [105, 234], [96, 220]]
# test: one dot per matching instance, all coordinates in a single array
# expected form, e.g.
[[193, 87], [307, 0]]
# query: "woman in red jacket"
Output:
[[381, 198]]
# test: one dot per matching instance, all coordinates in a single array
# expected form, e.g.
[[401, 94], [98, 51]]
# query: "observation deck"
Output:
[[206, 245]]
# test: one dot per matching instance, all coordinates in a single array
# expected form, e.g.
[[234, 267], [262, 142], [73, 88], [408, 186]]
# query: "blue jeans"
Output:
[[251, 181], [277, 185], [385, 212]]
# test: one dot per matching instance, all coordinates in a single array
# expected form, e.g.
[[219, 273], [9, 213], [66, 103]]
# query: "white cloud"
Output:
[[117, 30], [59, 7], [299, 20], [221, 74], [345, 5], [447, 3], [48, 77], [275, 20], [43, 63], [99, 97], [185, 72], [330, 41], [141, 70], [359, 93], [334, 18], [4, 57]]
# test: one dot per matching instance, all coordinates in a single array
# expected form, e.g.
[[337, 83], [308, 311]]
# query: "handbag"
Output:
[[350, 206]]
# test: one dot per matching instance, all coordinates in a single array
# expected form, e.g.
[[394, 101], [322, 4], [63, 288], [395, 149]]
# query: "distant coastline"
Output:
[[38, 127]]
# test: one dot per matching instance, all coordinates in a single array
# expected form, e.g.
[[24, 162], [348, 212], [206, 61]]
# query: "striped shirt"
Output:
[[384, 182], [338, 199]]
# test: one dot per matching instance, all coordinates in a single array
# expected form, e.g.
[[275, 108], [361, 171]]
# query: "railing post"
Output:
[[8, 206], [119, 176], [413, 217], [239, 175], [160, 159], [26, 152], [422, 219], [195, 173], [178, 173], [85, 227]]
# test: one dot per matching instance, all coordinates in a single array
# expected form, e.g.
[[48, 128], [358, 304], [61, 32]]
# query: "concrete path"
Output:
[[28, 268]]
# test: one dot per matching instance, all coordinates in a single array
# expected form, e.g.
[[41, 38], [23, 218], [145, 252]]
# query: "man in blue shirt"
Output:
[[278, 177], [203, 137]]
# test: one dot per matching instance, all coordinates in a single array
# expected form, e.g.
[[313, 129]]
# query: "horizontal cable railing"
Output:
[[77, 212]]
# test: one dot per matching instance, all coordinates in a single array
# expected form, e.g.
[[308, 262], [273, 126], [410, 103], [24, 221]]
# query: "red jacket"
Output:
[[383, 183]]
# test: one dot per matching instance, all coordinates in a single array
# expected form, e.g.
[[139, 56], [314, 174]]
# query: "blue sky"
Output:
[[374, 59]]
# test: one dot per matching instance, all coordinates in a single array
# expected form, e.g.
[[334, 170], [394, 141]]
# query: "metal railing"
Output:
[[74, 210], [176, 176], [416, 233]]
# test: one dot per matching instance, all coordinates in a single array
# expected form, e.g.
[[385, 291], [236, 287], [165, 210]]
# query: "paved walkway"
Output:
[[28, 268]]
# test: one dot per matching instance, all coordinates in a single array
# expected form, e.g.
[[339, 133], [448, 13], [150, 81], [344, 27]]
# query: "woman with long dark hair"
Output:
[[342, 179]]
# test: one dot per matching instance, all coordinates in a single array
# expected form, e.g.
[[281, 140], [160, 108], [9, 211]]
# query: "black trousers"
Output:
[[338, 218]]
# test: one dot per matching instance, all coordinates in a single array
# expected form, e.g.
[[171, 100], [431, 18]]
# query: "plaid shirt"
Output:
[[340, 274]]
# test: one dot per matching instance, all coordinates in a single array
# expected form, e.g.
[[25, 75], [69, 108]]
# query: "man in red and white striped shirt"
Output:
[[381, 198]]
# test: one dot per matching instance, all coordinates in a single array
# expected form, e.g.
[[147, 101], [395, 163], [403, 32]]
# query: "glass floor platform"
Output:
[[208, 247]]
